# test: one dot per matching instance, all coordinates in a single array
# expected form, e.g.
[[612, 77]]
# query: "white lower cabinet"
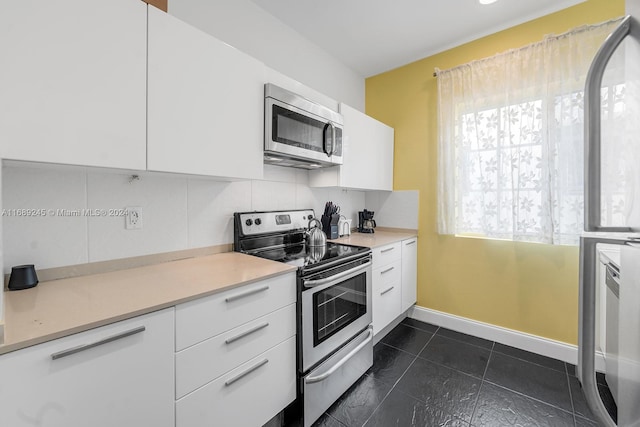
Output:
[[236, 355], [409, 273], [207, 317], [247, 396], [194, 366], [116, 375], [387, 296], [394, 281]]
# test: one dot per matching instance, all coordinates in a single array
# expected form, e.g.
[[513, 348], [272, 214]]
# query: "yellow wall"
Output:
[[531, 288]]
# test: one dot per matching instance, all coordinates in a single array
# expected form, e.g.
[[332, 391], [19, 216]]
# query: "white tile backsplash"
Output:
[[397, 209], [46, 241], [178, 212], [211, 207], [280, 174], [350, 202], [271, 195], [163, 200]]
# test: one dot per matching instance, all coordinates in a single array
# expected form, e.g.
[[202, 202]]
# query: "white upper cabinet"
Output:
[[72, 82], [367, 155], [286, 82], [205, 103]]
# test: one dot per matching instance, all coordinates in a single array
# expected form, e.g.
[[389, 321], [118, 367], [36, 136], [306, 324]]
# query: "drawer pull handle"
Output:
[[345, 359], [246, 294], [387, 250], [83, 347], [247, 332], [387, 270], [387, 290], [410, 243], [245, 373]]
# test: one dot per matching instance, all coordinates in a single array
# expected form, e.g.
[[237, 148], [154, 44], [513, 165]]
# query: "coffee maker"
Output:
[[366, 223]]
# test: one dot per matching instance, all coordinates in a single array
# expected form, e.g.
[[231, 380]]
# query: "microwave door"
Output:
[[292, 131]]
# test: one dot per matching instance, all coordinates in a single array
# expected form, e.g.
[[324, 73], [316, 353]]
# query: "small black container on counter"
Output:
[[22, 277]]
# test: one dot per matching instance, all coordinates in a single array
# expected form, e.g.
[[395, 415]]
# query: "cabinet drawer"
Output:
[[386, 254], [387, 295], [204, 362], [207, 317], [387, 276], [247, 396]]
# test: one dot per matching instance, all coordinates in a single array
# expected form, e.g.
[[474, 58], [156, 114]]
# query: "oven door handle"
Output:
[[345, 359], [320, 282]]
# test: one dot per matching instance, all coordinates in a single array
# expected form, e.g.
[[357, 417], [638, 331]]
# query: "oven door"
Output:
[[334, 310], [293, 131]]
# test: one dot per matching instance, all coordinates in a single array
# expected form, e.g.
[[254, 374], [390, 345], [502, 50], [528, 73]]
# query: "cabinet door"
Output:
[[127, 380], [409, 272], [367, 155], [72, 82], [387, 295], [206, 103]]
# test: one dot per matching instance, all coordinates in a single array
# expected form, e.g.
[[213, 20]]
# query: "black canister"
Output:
[[22, 277]]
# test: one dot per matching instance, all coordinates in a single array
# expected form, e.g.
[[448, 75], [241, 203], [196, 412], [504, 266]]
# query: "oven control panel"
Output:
[[252, 223]]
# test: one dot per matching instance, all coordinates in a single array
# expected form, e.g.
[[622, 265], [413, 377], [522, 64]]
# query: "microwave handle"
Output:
[[328, 148]]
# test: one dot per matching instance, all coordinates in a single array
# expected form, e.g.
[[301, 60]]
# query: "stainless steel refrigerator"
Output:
[[609, 325]]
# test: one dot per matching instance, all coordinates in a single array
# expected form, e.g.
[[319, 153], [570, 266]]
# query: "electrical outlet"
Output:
[[133, 219]]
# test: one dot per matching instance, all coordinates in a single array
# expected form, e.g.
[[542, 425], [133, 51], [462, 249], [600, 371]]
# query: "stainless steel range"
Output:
[[334, 333]]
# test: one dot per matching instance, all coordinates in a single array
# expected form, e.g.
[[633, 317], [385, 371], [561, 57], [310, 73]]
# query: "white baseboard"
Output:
[[533, 343]]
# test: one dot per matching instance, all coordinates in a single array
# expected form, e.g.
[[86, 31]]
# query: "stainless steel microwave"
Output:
[[299, 132]]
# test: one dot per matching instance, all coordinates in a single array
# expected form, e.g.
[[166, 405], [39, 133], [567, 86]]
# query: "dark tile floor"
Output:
[[423, 375]]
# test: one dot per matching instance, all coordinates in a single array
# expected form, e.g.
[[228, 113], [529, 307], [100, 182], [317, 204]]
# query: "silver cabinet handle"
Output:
[[246, 372], [410, 243], [387, 270], [247, 332], [387, 290], [246, 294], [592, 134], [83, 347], [345, 359], [387, 250]]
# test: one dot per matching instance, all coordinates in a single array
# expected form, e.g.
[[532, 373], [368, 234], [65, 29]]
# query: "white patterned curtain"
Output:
[[510, 149]]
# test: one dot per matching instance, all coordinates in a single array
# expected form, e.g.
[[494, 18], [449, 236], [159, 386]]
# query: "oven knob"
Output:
[[258, 221], [310, 217], [249, 222]]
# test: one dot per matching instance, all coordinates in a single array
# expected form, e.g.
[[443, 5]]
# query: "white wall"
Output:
[[178, 212], [397, 209], [249, 28]]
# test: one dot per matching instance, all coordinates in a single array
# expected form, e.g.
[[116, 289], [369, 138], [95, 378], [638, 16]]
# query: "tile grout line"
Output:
[[529, 397], [468, 343], [484, 374], [415, 357], [573, 407], [534, 363], [390, 390]]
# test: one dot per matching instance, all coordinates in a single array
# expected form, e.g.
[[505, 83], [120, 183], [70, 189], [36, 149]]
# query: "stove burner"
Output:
[[301, 255]]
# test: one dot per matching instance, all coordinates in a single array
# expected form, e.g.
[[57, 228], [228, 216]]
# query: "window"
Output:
[[511, 141]]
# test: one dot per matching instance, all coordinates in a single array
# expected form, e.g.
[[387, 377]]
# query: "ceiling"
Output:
[[373, 36]]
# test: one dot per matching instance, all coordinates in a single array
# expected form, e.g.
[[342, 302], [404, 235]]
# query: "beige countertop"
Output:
[[63, 307], [379, 238]]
